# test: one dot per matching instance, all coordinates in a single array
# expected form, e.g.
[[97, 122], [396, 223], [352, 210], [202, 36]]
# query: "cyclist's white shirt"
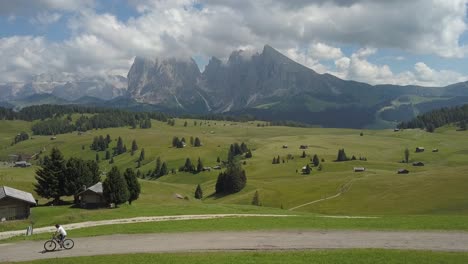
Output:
[[62, 231]]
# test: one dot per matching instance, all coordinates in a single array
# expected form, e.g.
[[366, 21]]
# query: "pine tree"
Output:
[[197, 142], [107, 155], [185, 124], [303, 154], [248, 155], [188, 166], [119, 149], [341, 155], [407, 154], [157, 170], [133, 185], [51, 177], [134, 147], [256, 199], [199, 165], [163, 170], [142, 155], [175, 141], [198, 192], [191, 141], [218, 160], [108, 139], [115, 188], [97, 157], [315, 160], [111, 161]]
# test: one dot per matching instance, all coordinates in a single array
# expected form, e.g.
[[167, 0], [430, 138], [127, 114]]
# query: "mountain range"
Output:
[[267, 85]]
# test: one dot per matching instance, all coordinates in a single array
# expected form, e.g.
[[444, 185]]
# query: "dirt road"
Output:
[[143, 219], [256, 240]]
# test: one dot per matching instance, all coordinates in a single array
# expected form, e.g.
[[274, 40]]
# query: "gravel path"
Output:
[[50, 229], [229, 241]]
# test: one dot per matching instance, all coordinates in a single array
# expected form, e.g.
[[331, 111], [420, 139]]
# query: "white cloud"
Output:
[[302, 29], [304, 58], [358, 68], [45, 18], [325, 52]]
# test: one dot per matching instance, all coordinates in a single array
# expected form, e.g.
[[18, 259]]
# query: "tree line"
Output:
[[438, 118]]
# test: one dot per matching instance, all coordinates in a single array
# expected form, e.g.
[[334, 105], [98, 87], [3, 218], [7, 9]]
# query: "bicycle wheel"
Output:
[[68, 244], [49, 245]]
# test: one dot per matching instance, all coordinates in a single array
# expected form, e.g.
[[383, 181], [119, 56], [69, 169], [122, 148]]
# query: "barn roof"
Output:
[[6, 191], [96, 188]]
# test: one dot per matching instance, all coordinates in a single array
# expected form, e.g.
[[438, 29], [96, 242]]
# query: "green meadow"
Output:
[[356, 256], [434, 195]]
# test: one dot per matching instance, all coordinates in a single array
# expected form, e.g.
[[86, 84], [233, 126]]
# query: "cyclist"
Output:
[[61, 234]]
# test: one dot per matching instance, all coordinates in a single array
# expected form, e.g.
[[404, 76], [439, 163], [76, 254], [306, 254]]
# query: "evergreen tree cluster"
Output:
[[118, 188], [188, 166], [160, 169], [171, 122], [145, 123], [20, 137], [120, 148], [58, 177], [100, 143], [437, 118], [237, 150], [178, 143], [276, 160], [232, 180], [53, 126]]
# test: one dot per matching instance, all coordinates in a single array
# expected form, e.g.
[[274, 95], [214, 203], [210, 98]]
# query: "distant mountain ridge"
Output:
[[267, 85], [67, 87]]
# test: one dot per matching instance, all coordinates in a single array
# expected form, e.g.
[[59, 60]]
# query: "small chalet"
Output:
[[92, 197], [22, 164], [396, 129], [435, 150], [15, 204], [419, 163], [359, 169], [303, 147], [403, 171], [420, 149], [217, 167], [285, 146], [53, 138], [206, 168]]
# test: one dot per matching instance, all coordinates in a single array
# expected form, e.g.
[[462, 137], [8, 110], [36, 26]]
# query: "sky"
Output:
[[421, 42]]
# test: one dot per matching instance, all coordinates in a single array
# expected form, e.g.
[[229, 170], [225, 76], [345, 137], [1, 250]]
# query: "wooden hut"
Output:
[[15, 204]]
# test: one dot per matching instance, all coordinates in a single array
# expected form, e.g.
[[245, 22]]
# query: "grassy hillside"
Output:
[[439, 188]]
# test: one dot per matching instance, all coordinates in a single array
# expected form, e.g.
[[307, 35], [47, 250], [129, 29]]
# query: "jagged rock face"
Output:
[[170, 82], [245, 80]]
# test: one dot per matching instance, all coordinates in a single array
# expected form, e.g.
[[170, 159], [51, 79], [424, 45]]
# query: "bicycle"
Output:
[[51, 244]]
